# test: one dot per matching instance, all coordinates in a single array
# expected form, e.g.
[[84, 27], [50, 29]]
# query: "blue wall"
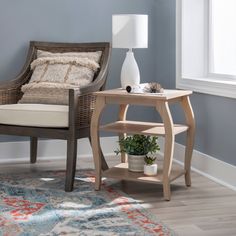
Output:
[[72, 21], [90, 20]]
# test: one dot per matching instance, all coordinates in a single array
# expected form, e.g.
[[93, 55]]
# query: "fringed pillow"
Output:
[[54, 75], [94, 56]]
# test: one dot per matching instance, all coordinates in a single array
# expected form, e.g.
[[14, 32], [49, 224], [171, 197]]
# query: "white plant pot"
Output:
[[136, 163], [150, 169]]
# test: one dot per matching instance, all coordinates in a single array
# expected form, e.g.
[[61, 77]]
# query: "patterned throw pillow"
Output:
[[55, 73], [94, 56]]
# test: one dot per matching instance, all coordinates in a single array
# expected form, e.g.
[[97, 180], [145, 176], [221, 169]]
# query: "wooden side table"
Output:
[[166, 129]]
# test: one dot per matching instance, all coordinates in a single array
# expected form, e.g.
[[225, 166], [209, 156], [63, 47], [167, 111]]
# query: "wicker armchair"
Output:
[[81, 103]]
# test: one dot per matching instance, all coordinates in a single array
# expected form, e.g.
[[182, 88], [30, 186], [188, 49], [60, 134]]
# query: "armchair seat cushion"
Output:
[[37, 115]]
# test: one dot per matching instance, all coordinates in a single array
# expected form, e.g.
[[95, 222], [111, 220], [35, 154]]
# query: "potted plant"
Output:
[[137, 147], [150, 167]]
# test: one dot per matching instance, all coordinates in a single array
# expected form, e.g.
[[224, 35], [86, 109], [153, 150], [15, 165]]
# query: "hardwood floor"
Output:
[[206, 208]]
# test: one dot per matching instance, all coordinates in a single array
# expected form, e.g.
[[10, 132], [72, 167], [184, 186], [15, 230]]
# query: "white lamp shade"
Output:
[[130, 31]]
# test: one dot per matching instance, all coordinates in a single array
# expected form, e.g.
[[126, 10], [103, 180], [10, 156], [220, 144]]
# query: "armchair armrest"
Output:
[[73, 109], [10, 91], [81, 107], [10, 95], [95, 86], [99, 82]]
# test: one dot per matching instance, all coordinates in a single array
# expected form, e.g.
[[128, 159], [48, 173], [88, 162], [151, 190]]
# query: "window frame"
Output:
[[214, 84]]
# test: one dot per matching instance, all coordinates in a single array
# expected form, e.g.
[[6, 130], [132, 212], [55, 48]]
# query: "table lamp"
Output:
[[130, 31]]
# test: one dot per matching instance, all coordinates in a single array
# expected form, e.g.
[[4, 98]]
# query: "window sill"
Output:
[[218, 87]]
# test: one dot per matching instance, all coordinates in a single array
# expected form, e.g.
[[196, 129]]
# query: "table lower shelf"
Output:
[[121, 172]]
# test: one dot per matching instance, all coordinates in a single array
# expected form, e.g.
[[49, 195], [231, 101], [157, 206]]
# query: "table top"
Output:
[[166, 95]]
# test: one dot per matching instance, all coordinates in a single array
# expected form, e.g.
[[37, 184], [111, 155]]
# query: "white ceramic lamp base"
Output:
[[130, 72]]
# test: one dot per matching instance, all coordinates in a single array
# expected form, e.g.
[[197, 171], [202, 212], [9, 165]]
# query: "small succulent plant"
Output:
[[149, 160], [154, 88]]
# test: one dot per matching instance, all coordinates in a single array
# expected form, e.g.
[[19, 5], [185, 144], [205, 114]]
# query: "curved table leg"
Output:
[[104, 163], [122, 117], [164, 111], [190, 121], [95, 140]]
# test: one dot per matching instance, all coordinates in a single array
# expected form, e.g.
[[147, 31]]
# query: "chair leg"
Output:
[[70, 164], [33, 149]]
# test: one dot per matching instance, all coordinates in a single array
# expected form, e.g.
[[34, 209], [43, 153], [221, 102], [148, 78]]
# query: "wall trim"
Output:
[[210, 167], [18, 152]]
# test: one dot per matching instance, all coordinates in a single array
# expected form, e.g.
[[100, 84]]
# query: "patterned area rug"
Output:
[[35, 204]]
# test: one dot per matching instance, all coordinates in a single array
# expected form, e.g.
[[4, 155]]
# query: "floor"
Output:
[[206, 208]]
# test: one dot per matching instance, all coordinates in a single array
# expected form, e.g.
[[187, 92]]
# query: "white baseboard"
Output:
[[214, 169], [16, 152], [210, 167]]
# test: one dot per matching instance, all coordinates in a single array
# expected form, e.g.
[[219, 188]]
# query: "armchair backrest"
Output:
[[10, 91]]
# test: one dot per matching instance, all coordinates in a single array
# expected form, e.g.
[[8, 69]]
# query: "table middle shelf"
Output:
[[145, 128]]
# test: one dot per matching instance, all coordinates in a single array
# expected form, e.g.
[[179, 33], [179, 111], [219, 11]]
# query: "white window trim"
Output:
[[215, 86]]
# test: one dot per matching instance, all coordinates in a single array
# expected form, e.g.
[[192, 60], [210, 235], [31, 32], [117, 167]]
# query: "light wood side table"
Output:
[[166, 129]]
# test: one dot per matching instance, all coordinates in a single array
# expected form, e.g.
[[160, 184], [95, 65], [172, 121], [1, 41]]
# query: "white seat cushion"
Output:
[[38, 115]]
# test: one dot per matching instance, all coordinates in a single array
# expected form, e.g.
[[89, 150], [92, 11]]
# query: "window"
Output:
[[222, 38], [206, 46]]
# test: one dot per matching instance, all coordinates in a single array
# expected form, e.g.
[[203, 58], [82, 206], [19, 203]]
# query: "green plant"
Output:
[[138, 145], [149, 160]]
